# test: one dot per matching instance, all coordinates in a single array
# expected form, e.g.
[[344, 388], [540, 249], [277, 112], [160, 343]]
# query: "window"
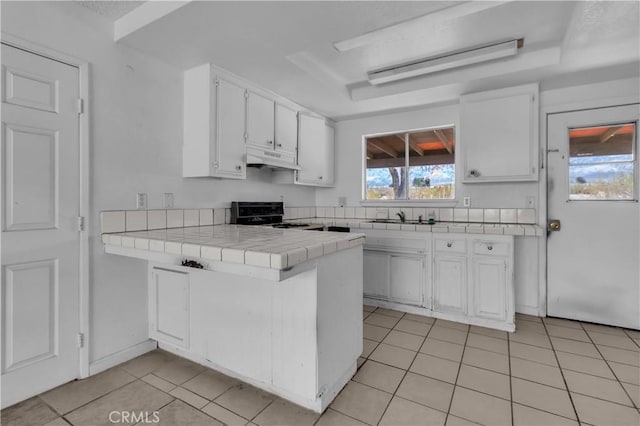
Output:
[[602, 162], [412, 165]]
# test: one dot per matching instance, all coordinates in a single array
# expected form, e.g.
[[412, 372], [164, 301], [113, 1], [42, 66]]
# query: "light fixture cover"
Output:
[[445, 62]]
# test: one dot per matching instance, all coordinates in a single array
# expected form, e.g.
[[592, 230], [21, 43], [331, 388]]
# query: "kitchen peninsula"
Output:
[[277, 308]]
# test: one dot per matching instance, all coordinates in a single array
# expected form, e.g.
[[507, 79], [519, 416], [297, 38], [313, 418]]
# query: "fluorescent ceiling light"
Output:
[[445, 62]]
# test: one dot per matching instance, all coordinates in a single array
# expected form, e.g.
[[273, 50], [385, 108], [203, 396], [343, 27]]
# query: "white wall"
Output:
[[136, 146]]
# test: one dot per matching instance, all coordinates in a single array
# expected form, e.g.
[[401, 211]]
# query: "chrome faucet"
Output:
[[401, 216]]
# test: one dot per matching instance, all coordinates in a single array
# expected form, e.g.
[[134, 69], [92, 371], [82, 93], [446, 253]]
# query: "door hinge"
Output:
[[246, 94], [81, 340], [80, 106], [80, 223]]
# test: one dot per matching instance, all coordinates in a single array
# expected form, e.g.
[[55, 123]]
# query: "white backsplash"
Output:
[[138, 220]]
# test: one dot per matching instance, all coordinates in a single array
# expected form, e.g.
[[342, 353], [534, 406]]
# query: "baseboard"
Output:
[[527, 310], [124, 355]]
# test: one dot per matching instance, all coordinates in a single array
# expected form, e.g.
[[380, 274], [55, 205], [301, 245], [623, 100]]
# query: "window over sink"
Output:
[[410, 165]]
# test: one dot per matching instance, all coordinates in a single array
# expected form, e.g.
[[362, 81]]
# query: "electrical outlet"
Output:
[[167, 200], [466, 201], [141, 200], [531, 202]]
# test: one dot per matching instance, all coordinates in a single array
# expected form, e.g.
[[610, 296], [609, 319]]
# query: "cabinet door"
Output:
[[376, 274], [489, 287], [450, 284], [286, 129], [407, 279], [169, 306], [501, 124], [311, 150], [260, 120], [328, 156], [230, 120]]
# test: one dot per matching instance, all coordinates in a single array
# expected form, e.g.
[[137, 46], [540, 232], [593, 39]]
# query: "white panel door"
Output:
[[375, 273], [592, 257], [169, 316], [311, 149], [230, 126], [489, 287], [407, 279], [40, 239], [260, 120], [286, 129], [450, 284]]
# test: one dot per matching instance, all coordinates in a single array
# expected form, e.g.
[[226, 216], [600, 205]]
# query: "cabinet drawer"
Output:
[[491, 248], [450, 245]]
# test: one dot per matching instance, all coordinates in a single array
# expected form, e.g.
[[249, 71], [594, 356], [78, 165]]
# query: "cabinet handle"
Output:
[[474, 173], [449, 244], [279, 145], [320, 177], [238, 167], [489, 247], [269, 142]]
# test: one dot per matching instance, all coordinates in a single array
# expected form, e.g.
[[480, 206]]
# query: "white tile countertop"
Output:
[[241, 244], [456, 227]]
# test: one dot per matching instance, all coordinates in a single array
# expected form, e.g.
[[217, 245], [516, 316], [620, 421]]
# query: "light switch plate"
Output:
[[167, 200], [141, 200], [466, 201]]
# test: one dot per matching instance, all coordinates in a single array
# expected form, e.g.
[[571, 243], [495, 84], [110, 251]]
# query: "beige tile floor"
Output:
[[413, 371]]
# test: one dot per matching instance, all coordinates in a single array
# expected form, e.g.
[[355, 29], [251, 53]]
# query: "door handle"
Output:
[[554, 225]]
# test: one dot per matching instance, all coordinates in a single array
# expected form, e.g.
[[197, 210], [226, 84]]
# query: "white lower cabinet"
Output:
[[473, 279], [376, 273], [406, 278], [489, 288], [471, 276], [169, 306], [450, 284], [395, 266]]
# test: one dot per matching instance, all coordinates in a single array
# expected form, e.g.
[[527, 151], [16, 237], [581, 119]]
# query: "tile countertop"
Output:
[[455, 227], [250, 245]]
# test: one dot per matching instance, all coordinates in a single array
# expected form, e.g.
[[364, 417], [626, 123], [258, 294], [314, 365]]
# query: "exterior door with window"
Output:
[[594, 220], [40, 238]]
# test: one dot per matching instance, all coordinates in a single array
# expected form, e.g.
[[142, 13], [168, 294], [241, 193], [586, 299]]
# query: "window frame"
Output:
[[408, 201], [636, 172]]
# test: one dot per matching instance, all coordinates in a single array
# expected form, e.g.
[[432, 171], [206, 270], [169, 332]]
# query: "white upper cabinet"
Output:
[[286, 129], [260, 120], [499, 135], [272, 129], [315, 151], [214, 126]]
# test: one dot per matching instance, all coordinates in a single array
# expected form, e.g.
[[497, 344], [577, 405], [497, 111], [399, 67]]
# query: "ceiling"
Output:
[[288, 47], [112, 9]]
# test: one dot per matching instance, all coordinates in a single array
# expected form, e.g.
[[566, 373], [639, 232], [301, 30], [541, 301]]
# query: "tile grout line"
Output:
[[633, 403], [94, 399], [464, 348], [575, 410], [393, 394], [510, 378]]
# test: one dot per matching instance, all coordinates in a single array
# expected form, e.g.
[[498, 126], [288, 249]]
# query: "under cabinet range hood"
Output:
[[270, 158]]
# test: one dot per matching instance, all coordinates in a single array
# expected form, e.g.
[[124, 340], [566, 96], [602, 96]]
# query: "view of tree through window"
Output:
[[411, 165], [601, 163]]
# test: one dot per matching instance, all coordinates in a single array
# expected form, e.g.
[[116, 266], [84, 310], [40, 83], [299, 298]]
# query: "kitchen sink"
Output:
[[398, 221]]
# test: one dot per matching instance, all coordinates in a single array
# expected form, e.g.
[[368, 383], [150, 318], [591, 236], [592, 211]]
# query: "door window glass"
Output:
[[602, 162]]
